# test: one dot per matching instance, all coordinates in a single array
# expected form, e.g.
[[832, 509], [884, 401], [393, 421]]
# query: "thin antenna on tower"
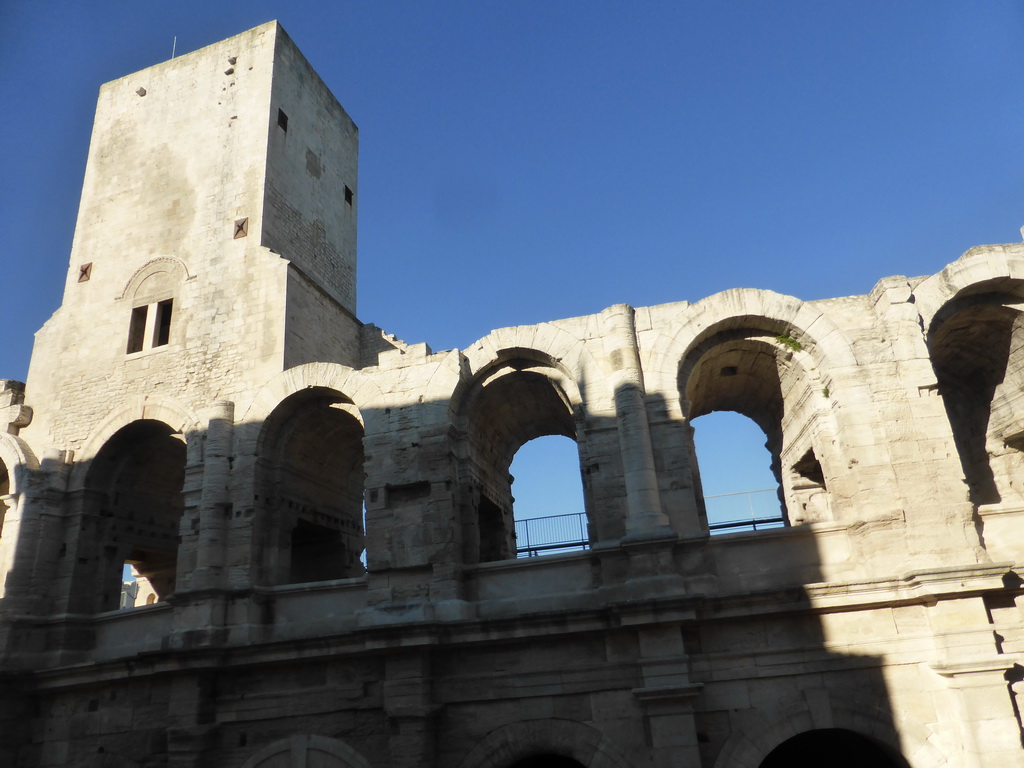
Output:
[[174, 45]]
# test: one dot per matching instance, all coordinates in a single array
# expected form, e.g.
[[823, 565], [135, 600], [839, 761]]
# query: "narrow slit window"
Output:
[[348, 195], [282, 120], [137, 329], [162, 329]]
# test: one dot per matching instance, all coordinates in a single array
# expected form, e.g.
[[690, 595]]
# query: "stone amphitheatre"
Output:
[[206, 408]]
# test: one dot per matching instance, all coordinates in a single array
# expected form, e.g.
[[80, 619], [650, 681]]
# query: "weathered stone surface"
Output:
[[206, 407]]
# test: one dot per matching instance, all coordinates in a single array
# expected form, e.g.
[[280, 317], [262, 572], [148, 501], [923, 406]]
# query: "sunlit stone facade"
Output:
[[206, 408]]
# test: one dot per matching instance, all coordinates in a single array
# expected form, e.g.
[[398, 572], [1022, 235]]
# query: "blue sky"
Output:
[[527, 161]]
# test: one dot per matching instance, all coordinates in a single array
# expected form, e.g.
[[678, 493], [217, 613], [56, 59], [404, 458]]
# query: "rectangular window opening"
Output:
[[348, 195], [162, 329], [137, 329], [282, 120]]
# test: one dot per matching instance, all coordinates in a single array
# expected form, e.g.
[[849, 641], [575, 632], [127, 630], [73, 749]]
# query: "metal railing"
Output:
[[744, 511], [557, 533], [727, 512]]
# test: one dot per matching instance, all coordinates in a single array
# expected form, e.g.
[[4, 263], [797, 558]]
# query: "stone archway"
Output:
[[134, 503], [310, 477], [864, 717], [510, 403], [307, 752], [562, 743], [835, 747]]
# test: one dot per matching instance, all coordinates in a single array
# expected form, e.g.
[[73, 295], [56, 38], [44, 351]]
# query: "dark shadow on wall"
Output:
[[970, 346], [762, 644], [131, 509], [743, 624], [310, 479]]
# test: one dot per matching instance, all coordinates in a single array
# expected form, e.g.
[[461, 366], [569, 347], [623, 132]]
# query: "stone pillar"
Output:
[[979, 704], [191, 719], [409, 706], [199, 604], [215, 506], [10, 519], [643, 503], [984, 711], [922, 453], [43, 577], [666, 698]]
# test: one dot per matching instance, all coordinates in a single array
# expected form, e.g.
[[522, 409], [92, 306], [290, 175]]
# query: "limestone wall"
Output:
[[228, 444]]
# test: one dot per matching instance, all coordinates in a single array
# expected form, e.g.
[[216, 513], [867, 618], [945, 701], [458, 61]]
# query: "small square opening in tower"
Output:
[[282, 120]]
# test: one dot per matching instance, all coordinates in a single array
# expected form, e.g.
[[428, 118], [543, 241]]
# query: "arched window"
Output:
[[152, 292], [548, 498], [311, 484], [763, 374], [134, 493], [509, 405], [974, 344]]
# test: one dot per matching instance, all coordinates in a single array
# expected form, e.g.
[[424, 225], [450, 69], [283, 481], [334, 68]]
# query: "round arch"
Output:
[[309, 476], [19, 460], [857, 714], [982, 267], [546, 344], [512, 361], [767, 311], [368, 399], [750, 352], [509, 744], [836, 746], [176, 416], [164, 270], [972, 315], [300, 751], [135, 492], [517, 396]]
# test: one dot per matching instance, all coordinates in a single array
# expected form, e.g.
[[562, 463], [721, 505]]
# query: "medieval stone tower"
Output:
[[205, 409]]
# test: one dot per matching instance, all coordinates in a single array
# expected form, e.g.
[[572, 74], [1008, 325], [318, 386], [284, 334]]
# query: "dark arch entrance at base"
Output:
[[834, 747], [546, 761]]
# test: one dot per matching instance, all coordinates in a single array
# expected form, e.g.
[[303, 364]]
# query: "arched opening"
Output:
[[320, 751], [548, 498], [973, 345], [739, 480], [761, 375], [510, 405], [311, 469], [547, 761], [834, 747], [135, 485]]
